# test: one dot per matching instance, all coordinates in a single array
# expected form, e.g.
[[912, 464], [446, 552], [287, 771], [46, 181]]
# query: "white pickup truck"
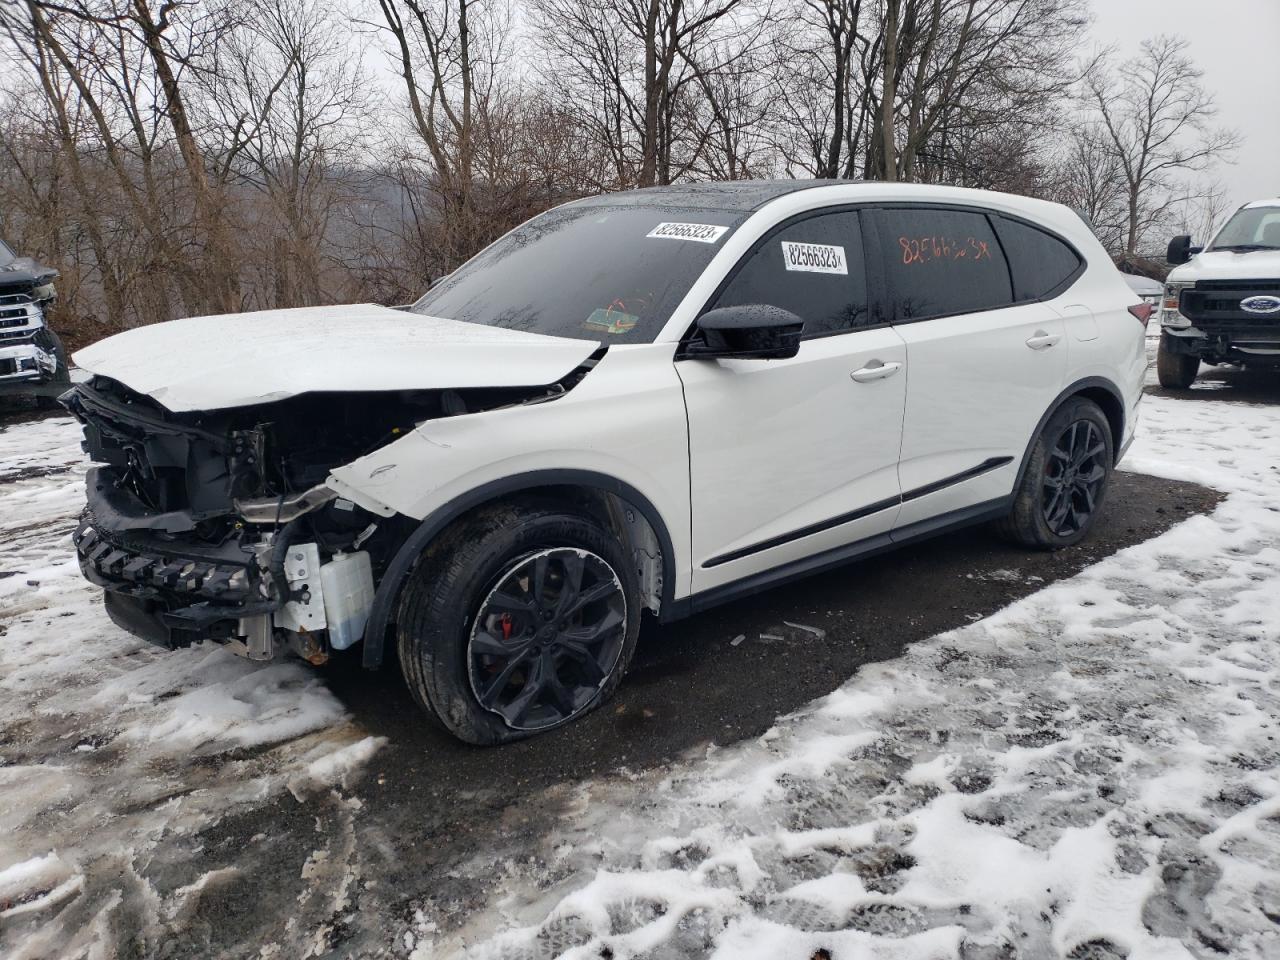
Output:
[[1222, 302]]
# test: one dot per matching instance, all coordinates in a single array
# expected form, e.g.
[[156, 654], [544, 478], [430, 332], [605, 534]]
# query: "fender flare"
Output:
[[1085, 384], [393, 578]]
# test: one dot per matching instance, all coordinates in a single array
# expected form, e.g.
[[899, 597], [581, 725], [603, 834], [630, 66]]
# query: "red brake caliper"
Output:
[[505, 620]]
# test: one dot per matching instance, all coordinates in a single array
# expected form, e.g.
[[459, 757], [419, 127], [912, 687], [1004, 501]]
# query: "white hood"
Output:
[[1225, 265], [239, 359]]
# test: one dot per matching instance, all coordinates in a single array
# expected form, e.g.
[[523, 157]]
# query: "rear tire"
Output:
[[521, 619], [1065, 481], [1176, 371]]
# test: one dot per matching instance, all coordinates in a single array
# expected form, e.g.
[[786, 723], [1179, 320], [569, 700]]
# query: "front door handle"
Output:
[[1042, 341], [876, 370]]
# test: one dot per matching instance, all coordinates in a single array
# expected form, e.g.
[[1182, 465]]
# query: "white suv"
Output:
[[659, 400]]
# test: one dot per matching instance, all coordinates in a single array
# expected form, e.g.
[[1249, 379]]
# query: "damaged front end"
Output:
[[218, 526], [30, 352]]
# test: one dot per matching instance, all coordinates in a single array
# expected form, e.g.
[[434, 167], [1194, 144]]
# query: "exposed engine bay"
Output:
[[218, 525]]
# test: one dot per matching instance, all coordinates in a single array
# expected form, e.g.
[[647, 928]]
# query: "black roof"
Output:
[[738, 195]]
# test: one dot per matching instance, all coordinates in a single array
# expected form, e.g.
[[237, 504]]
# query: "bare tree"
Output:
[[824, 52], [171, 156], [1089, 178], [463, 163], [1156, 120], [925, 90], [631, 65], [288, 120]]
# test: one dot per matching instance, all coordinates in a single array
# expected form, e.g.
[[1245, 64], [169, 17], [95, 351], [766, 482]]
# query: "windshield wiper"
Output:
[[1246, 247]]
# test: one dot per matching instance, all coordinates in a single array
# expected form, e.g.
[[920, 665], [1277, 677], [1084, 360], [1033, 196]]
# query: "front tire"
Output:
[[1065, 481], [521, 619], [1176, 371]]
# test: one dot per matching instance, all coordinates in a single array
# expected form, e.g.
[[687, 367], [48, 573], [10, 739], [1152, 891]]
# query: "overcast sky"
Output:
[[1237, 45]]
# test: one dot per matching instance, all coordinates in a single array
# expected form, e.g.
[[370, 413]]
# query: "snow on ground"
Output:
[[1089, 773], [107, 744]]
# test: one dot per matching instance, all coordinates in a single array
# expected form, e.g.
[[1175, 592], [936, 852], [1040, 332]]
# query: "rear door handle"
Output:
[[1042, 341], [876, 370]]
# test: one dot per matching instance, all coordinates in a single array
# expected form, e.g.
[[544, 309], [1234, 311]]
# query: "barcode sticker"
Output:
[[814, 258], [698, 232]]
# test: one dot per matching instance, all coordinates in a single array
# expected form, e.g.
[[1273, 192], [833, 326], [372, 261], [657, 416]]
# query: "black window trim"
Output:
[[877, 288], [891, 295]]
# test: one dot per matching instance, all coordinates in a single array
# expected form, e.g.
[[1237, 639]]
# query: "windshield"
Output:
[[6, 255], [1255, 228], [594, 271]]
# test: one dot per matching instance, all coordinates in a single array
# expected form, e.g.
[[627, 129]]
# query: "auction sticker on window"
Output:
[[699, 232], [814, 258]]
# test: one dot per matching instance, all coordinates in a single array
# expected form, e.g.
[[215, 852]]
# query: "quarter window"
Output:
[[944, 262], [1042, 265], [814, 268]]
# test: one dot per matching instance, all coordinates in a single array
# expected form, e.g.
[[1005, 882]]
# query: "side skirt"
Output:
[[838, 556], [994, 463]]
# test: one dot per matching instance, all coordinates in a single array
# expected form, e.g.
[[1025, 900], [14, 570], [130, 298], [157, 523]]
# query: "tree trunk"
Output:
[[889, 94], [220, 263]]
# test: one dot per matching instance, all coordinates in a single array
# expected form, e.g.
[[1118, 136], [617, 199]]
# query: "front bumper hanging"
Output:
[[174, 596]]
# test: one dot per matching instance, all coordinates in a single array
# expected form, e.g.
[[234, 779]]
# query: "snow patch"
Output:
[[1092, 771]]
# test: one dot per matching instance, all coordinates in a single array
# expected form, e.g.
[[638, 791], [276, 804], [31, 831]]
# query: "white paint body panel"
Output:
[[976, 392], [1225, 265], [625, 420], [239, 359], [779, 445]]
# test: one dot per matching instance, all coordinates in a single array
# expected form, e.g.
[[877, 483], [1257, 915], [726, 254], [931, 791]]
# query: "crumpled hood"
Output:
[[240, 359], [1225, 265], [22, 273]]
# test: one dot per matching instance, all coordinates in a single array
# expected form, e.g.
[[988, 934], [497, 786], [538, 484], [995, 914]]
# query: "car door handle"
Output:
[[1042, 341], [875, 370]]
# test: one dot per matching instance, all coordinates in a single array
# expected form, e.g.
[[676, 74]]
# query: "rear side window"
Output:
[[813, 268], [943, 262], [1042, 265]]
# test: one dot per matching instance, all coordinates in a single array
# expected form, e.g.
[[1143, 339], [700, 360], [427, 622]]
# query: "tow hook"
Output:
[[305, 646]]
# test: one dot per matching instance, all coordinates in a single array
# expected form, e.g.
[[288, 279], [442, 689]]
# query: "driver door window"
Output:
[[814, 268]]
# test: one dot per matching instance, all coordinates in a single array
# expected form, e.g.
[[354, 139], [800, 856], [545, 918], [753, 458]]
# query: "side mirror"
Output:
[[1181, 250], [755, 331]]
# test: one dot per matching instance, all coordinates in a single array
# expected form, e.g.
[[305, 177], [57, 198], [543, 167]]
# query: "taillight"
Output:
[[1143, 312]]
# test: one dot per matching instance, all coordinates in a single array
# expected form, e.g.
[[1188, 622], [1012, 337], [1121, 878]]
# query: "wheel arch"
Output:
[[612, 500], [1102, 392]]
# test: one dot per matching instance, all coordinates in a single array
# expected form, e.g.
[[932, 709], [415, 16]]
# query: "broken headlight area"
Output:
[[218, 526], [304, 586]]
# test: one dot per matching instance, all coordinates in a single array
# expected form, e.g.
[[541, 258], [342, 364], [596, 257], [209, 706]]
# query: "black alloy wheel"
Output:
[[1063, 485], [547, 637], [1073, 476]]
